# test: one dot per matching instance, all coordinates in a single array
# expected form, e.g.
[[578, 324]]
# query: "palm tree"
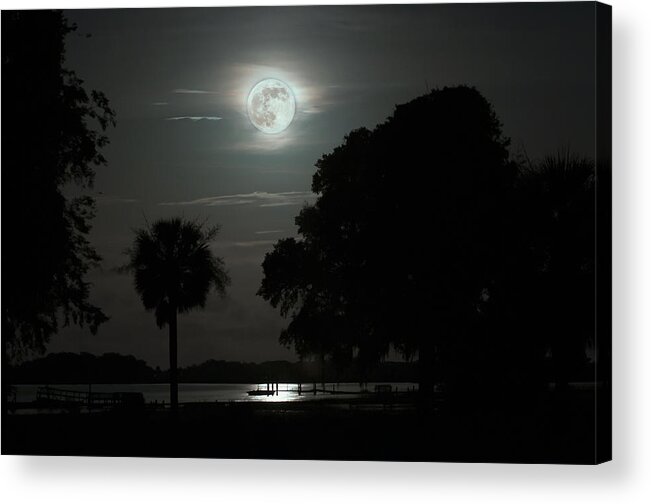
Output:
[[560, 222], [174, 270]]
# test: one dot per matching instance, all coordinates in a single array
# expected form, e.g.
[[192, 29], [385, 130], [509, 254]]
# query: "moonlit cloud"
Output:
[[287, 202], [256, 142], [263, 144], [253, 243], [192, 91], [258, 198], [193, 118], [271, 231]]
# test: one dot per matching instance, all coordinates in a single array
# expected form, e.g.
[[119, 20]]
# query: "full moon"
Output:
[[271, 106]]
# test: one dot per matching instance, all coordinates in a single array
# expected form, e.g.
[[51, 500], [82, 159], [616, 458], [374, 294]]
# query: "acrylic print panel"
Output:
[[347, 232]]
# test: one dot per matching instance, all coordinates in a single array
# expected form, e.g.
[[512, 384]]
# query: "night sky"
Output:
[[178, 80]]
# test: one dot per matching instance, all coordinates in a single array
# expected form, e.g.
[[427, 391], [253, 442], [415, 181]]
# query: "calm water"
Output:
[[210, 392]]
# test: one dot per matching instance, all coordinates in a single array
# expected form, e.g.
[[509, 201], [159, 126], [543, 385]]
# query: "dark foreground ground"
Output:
[[556, 431]]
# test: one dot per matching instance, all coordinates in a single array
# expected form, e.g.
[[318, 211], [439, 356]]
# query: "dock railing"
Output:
[[54, 396]]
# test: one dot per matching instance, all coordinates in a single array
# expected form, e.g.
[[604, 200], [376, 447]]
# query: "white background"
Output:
[[626, 480]]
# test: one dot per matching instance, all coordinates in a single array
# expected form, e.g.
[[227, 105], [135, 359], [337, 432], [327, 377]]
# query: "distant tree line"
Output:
[[69, 368], [84, 368], [116, 368]]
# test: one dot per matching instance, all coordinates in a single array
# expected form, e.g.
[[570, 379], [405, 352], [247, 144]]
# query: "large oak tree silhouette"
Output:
[[52, 140], [402, 242], [428, 238]]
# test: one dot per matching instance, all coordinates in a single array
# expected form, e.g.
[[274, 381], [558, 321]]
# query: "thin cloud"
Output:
[[193, 118], [259, 143], [253, 243], [287, 202], [192, 91], [262, 144], [160, 103], [271, 231], [258, 198], [246, 244]]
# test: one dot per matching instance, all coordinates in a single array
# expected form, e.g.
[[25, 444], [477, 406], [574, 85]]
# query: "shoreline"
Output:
[[553, 431]]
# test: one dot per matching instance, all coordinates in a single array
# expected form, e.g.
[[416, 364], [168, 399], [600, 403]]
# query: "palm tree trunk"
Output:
[[174, 381]]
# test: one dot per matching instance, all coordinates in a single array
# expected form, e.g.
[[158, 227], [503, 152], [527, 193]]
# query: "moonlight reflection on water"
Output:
[[211, 392]]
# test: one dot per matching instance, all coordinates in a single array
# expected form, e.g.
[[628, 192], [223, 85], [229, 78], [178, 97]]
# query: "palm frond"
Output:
[[173, 266]]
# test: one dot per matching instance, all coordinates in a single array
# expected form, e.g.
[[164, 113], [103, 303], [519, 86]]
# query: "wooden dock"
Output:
[[49, 396]]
